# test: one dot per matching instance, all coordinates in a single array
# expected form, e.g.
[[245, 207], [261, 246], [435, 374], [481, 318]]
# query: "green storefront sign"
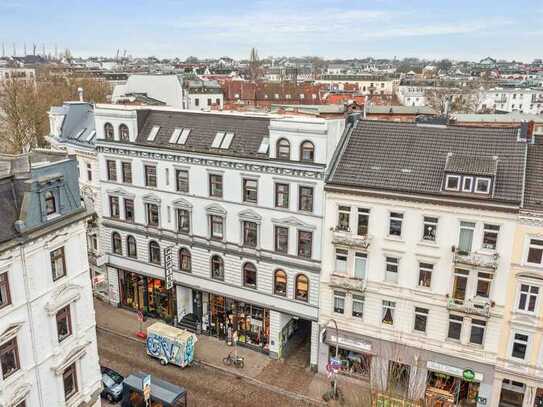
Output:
[[468, 375]]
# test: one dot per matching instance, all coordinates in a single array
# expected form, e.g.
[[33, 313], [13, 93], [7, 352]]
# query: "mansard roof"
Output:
[[411, 158], [471, 164]]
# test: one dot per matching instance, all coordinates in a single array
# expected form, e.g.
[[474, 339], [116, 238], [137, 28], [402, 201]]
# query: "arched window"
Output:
[[249, 275], [154, 252], [307, 151], [302, 288], [123, 132], [108, 131], [283, 149], [131, 247], [184, 259], [217, 268], [116, 243], [50, 203], [280, 283]]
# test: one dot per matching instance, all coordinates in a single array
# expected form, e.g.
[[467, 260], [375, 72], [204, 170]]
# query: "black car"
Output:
[[112, 384]]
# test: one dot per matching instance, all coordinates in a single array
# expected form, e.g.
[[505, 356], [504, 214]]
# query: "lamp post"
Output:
[[337, 351]]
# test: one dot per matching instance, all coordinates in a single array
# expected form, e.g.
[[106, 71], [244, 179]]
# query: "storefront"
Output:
[[147, 294], [354, 355], [539, 398], [449, 386]]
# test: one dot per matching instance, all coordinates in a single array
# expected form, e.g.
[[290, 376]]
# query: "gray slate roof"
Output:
[[78, 123], [248, 131], [533, 195], [410, 158], [472, 164], [379, 109]]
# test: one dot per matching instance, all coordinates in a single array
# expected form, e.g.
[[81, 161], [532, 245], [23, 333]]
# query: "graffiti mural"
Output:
[[174, 348]]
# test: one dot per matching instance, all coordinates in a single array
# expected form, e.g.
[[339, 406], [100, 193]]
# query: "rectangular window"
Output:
[[250, 234], [250, 190], [482, 185], [535, 251], [9, 358], [391, 274], [215, 185], [58, 263], [305, 243], [528, 297], [490, 236], [152, 214], [341, 261], [465, 239], [126, 169], [520, 346], [129, 210], [5, 296], [153, 133], [114, 207], [467, 184], [425, 274], [111, 166], [429, 229], [182, 180], [282, 195], [360, 264], [460, 285], [281, 239], [183, 221], [89, 172], [452, 183], [484, 281], [69, 378], [343, 221], [339, 302], [363, 221], [395, 224], [305, 199], [421, 319], [388, 312], [217, 231], [64, 323], [150, 176], [477, 331], [455, 327], [358, 306]]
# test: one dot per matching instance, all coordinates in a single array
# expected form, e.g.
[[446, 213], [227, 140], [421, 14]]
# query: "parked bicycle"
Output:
[[237, 361]]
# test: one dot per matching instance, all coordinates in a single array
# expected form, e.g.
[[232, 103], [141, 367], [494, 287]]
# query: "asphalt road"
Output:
[[206, 386]]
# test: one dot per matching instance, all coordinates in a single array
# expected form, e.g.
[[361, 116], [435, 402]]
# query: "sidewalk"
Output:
[[288, 376]]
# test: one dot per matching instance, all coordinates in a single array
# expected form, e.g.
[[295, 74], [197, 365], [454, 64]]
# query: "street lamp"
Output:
[[334, 386]]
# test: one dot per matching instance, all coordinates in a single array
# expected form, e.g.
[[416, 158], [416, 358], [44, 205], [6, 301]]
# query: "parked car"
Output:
[[112, 384], [162, 394]]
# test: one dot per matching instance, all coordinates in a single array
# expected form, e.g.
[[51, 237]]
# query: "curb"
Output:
[[252, 380]]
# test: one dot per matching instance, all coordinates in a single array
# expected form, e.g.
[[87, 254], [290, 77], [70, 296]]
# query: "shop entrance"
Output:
[[297, 342], [444, 390], [512, 394]]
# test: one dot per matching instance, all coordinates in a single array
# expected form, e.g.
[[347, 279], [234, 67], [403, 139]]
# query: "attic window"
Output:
[[222, 140], [218, 139], [175, 135], [467, 184], [452, 183], [184, 135], [80, 133], [264, 146], [482, 185], [91, 136], [153, 133]]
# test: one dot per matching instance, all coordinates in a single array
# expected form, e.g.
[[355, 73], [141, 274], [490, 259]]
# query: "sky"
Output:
[[456, 29]]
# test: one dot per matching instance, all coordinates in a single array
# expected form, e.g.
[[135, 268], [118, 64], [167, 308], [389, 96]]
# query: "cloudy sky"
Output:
[[458, 29]]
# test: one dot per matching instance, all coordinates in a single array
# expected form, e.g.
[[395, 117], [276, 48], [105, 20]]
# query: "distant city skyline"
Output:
[[462, 30]]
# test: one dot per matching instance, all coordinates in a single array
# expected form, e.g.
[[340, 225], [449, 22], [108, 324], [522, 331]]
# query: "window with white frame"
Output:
[[528, 296], [467, 184], [535, 251], [339, 302], [425, 274], [360, 264], [429, 229], [363, 222], [455, 327], [344, 214], [490, 236], [216, 226], [465, 239], [183, 220], [484, 282], [520, 346], [395, 224], [482, 185], [421, 319], [341, 261], [358, 306], [452, 183], [152, 214], [391, 269], [388, 312], [460, 285], [477, 335]]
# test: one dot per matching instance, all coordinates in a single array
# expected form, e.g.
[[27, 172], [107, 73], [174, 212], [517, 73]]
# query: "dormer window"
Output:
[[452, 183], [50, 203], [467, 184], [470, 174], [482, 185], [123, 132]]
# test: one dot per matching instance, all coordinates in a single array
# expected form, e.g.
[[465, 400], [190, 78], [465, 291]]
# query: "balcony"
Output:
[[482, 260], [347, 238], [96, 259], [347, 283], [472, 307]]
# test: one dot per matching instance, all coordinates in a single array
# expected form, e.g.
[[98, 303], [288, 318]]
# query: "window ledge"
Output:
[[428, 243], [394, 239]]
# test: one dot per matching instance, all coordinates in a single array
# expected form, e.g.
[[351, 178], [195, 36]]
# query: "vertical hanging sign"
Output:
[[168, 267]]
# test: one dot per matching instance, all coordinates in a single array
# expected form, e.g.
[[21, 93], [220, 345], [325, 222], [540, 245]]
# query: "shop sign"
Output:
[[468, 375], [481, 400], [168, 267], [454, 371], [350, 343]]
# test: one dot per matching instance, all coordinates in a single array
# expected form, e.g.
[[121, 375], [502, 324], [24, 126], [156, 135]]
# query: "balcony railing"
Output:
[[472, 307], [483, 260], [347, 283], [348, 238]]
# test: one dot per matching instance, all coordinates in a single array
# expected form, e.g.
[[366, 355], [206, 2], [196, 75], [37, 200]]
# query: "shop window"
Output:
[[250, 190], [185, 260], [421, 319], [535, 252], [358, 306], [302, 288], [182, 180], [363, 221], [50, 203], [215, 185], [58, 263], [354, 364], [425, 274], [460, 285], [398, 378], [305, 243], [484, 281], [5, 296], [111, 167], [429, 229], [131, 247], [395, 224], [477, 331], [281, 239], [64, 323], [283, 149], [528, 297], [152, 214], [250, 234], [129, 210], [280, 283], [388, 312], [123, 133], [126, 170], [520, 346], [490, 236], [339, 302], [217, 268], [217, 224], [154, 252], [391, 274], [455, 327], [249, 275], [108, 131], [9, 358], [69, 378], [282, 192], [307, 151], [343, 222], [183, 221], [114, 211], [150, 176], [341, 261], [305, 199], [116, 243]]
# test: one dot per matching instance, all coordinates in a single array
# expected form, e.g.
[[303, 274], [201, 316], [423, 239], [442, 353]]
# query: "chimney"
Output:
[[447, 106], [366, 100], [80, 92], [526, 131]]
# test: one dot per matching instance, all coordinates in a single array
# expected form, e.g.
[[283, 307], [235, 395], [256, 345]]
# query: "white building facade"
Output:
[[522, 100]]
